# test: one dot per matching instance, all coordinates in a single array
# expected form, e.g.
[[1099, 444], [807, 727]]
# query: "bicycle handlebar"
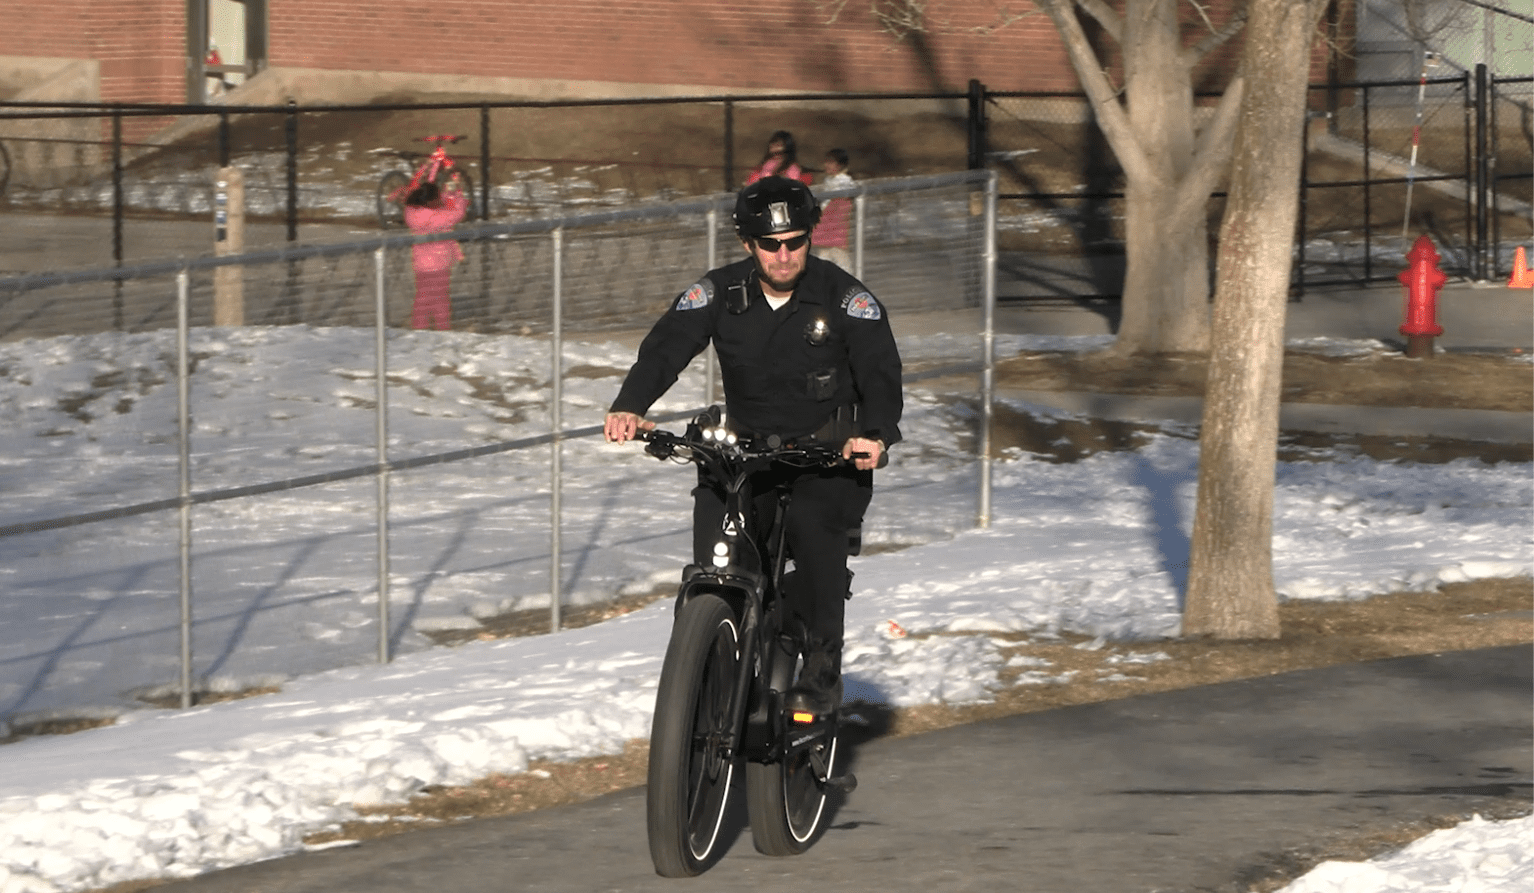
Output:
[[704, 437]]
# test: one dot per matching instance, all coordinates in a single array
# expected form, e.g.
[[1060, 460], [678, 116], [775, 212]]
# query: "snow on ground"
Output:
[[284, 586]]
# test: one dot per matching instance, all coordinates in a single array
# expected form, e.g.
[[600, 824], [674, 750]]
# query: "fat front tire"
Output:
[[391, 199], [689, 773], [786, 799]]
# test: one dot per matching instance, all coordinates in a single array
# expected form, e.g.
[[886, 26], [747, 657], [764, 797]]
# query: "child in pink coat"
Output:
[[427, 210], [781, 160]]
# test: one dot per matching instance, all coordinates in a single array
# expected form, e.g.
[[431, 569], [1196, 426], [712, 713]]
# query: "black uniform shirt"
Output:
[[787, 371]]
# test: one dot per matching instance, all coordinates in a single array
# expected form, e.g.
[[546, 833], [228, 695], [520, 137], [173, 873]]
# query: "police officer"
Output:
[[806, 353]]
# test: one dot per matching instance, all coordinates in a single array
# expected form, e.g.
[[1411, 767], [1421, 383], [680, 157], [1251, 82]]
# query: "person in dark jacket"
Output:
[[806, 353]]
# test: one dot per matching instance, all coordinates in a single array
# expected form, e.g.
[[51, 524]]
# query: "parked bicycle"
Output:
[[437, 167], [730, 661]]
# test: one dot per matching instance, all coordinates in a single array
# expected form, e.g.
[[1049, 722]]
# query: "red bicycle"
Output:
[[437, 167]]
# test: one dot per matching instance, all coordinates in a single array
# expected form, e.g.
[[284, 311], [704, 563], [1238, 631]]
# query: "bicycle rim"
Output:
[[689, 772], [787, 803]]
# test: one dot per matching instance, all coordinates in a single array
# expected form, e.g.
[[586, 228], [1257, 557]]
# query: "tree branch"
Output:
[[1216, 37], [1105, 16], [1111, 118], [901, 18], [1212, 151]]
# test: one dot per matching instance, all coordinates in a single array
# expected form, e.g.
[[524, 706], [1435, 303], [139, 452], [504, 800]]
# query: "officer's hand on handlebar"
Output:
[[622, 426], [867, 452]]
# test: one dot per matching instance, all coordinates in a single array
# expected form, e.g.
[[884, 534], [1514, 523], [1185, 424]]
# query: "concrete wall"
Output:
[[46, 152]]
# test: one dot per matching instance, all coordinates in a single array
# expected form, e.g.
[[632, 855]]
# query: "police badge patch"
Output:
[[698, 296], [861, 305]]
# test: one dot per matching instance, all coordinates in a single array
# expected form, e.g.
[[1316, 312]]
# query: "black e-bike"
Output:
[[730, 661]]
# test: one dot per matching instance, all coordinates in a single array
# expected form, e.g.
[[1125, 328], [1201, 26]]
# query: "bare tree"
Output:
[[1230, 583], [1170, 163], [1170, 167]]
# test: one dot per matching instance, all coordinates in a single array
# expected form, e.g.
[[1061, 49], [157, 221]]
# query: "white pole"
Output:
[[184, 436], [988, 374], [381, 389], [555, 421], [1416, 139]]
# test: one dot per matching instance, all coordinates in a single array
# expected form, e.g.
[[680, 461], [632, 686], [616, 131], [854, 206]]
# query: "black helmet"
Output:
[[775, 205]]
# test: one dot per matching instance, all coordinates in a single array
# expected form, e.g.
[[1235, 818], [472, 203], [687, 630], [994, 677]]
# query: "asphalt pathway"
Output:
[[1205, 789]]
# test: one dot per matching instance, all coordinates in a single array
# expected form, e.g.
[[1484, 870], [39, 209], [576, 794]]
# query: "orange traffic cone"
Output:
[[1522, 277]]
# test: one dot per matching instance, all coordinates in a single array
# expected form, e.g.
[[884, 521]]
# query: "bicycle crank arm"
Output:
[[845, 783]]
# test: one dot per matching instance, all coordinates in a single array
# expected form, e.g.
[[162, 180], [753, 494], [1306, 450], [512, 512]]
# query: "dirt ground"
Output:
[[1491, 381]]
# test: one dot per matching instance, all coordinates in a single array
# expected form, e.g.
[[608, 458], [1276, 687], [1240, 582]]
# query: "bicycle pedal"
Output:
[[845, 783]]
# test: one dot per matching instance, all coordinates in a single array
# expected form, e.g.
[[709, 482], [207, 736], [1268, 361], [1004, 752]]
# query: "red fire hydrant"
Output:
[[1422, 279]]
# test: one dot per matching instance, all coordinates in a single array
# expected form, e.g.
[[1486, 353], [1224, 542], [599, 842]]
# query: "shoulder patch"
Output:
[[859, 304], [700, 295]]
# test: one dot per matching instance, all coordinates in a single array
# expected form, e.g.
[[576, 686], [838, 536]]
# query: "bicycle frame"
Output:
[[435, 163], [752, 590]]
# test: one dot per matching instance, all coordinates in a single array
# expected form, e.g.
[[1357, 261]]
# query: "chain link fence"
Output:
[[232, 479], [1433, 148]]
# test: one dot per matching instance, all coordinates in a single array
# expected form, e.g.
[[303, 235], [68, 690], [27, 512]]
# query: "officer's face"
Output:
[[780, 259]]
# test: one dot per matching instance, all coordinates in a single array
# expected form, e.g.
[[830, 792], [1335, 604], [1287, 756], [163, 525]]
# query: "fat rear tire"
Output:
[[785, 799]]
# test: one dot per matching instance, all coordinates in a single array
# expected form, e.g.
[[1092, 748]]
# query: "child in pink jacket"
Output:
[[427, 210]]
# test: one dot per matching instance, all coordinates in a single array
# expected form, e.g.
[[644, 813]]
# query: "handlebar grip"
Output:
[[884, 457]]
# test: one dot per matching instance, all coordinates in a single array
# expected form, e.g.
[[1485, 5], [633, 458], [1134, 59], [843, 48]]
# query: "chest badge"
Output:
[[816, 332]]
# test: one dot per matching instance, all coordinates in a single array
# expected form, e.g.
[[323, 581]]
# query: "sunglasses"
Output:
[[771, 245]]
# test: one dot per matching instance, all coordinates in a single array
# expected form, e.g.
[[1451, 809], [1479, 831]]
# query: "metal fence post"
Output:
[[976, 125], [712, 218], [1297, 276], [117, 217], [290, 129], [859, 209], [1482, 177], [484, 162], [556, 340], [184, 490], [380, 342], [729, 145], [1368, 186], [988, 374]]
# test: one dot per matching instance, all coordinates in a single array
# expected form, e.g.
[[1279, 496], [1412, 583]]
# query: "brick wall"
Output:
[[140, 44], [706, 43], [711, 44]]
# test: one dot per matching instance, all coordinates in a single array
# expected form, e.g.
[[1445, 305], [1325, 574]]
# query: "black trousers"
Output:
[[827, 505]]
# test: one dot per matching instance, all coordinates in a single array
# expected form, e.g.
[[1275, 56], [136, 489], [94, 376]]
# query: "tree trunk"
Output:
[[1230, 583], [1165, 306], [1166, 277]]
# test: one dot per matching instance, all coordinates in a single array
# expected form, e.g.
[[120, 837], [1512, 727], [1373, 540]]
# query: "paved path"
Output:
[[1194, 790]]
